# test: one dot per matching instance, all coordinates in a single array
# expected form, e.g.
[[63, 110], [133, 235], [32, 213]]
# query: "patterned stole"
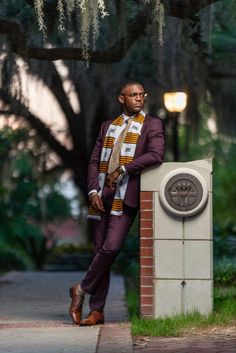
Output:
[[127, 152], [114, 160]]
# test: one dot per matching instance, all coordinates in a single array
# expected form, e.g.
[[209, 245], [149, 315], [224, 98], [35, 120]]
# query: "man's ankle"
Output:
[[79, 290]]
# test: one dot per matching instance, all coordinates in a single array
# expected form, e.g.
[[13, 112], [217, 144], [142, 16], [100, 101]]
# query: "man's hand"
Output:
[[111, 179], [96, 202]]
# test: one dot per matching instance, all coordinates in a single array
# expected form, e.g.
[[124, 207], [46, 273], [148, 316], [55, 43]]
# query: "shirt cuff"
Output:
[[124, 169], [94, 191]]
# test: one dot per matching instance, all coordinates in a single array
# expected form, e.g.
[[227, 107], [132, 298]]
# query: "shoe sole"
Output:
[[100, 322]]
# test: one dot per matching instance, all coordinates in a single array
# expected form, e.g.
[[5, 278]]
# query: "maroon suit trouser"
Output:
[[109, 235]]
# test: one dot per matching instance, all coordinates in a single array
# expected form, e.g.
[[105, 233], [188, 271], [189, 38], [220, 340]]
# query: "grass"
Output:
[[224, 314]]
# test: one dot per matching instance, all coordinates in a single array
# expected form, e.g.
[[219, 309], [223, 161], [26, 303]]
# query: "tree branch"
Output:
[[135, 28], [6, 112], [112, 54], [56, 87], [116, 52], [186, 8], [69, 158], [223, 74], [176, 8], [16, 35], [20, 109]]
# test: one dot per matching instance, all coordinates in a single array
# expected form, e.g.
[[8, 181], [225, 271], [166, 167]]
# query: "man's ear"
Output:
[[121, 99]]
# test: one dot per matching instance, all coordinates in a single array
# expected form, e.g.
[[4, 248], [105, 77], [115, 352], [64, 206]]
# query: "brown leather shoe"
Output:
[[75, 309], [93, 318]]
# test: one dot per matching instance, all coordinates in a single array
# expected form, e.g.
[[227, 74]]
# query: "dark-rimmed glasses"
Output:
[[142, 95]]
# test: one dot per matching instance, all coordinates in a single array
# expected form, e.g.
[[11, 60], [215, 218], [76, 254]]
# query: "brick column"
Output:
[[146, 255]]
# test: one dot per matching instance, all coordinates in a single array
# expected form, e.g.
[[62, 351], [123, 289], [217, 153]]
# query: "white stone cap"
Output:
[[151, 178]]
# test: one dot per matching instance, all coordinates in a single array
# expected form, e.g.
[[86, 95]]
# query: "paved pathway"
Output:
[[34, 319], [34, 314]]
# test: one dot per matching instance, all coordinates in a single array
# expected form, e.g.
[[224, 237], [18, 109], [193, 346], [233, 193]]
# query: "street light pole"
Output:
[[175, 146], [175, 103]]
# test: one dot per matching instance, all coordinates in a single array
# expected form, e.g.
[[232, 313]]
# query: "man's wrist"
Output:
[[92, 192], [121, 170]]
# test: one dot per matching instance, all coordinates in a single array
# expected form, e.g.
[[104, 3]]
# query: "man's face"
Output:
[[132, 98]]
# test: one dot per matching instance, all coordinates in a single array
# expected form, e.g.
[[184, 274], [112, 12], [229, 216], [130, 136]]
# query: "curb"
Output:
[[115, 338]]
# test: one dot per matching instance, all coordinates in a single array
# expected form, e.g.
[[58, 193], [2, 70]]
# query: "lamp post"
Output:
[[175, 103]]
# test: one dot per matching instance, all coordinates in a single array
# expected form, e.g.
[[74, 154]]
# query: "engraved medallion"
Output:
[[183, 192]]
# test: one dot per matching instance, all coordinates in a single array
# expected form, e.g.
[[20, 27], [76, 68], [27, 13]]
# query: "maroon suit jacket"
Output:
[[149, 152]]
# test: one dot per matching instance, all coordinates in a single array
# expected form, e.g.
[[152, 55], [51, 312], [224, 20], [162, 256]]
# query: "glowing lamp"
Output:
[[175, 102]]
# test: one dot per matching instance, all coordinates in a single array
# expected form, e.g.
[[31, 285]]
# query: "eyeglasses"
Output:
[[142, 95]]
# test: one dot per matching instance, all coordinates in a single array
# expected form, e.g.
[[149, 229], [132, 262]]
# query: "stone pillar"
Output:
[[176, 239]]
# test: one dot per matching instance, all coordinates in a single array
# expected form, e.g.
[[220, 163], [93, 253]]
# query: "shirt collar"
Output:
[[127, 117]]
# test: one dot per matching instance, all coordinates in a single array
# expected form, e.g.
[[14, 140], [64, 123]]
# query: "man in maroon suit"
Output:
[[113, 192]]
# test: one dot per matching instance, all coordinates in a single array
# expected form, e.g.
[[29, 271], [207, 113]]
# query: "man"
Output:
[[125, 146]]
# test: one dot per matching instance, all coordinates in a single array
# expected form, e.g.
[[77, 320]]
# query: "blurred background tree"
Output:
[[28, 199], [197, 55]]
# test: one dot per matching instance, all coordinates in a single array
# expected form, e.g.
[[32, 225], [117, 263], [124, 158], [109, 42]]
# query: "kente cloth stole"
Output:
[[126, 156]]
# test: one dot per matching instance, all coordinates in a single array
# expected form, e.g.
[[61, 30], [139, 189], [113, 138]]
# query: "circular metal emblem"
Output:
[[183, 192]]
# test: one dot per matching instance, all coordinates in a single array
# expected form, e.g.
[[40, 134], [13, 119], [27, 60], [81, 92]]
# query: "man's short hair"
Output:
[[129, 83]]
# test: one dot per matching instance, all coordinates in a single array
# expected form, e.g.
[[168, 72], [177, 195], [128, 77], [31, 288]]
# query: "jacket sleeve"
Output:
[[155, 146], [93, 167]]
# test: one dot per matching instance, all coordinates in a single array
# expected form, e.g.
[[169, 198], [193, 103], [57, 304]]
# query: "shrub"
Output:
[[11, 260], [225, 273]]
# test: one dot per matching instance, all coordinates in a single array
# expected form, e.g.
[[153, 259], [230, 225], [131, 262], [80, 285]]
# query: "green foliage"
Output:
[[66, 249], [57, 206], [224, 33], [24, 203], [224, 190], [224, 314], [225, 273], [222, 150], [224, 304], [132, 298], [10, 259], [70, 257], [29, 241], [224, 244], [22, 11], [25, 240], [180, 324]]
